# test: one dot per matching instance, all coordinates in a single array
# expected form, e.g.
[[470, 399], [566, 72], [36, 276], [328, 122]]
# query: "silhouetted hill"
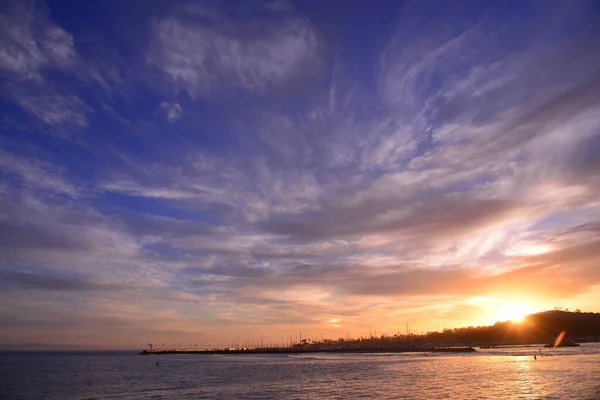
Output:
[[574, 323], [542, 327]]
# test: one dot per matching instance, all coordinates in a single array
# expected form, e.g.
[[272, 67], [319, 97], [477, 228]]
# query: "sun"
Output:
[[512, 311], [518, 319], [500, 309]]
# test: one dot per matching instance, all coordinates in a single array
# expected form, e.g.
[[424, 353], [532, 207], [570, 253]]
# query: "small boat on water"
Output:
[[563, 344]]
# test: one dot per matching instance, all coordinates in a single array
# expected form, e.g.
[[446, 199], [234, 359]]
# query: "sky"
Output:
[[209, 172]]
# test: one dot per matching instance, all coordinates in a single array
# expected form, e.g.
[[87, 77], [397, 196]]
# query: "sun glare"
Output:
[[513, 311], [518, 319], [494, 309]]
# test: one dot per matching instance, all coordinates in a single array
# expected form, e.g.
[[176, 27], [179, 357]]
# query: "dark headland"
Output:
[[540, 328]]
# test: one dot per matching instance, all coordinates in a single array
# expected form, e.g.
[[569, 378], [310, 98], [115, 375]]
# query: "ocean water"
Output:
[[567, 373]]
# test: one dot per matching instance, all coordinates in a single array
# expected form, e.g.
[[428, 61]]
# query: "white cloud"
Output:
[[132, 188], [36, 175], [172, 111], [52, 107], [29, 42], [200, 57]]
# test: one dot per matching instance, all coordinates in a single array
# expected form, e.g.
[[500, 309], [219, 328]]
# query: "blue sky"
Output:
[[196, 171]]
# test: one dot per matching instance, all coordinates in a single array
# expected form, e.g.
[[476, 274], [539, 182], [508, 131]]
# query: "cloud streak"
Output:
[[201, 50], [36, 51], [31, 42]]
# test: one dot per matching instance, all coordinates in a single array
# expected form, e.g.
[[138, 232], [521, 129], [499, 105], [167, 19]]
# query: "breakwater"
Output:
[[467, 349]]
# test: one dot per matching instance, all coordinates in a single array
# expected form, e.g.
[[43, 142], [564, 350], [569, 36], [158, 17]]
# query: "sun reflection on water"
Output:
[[523, 367]]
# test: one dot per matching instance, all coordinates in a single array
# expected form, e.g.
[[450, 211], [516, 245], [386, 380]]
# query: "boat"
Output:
[[563, 344]]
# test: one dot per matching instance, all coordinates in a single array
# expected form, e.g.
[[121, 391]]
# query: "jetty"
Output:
[[297, 350]]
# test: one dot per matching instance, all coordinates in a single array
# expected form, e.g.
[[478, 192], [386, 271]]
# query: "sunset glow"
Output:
[[196, 172], [513, 314], [491, 310]]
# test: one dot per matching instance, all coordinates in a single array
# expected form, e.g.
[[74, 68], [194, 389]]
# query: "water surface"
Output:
[[568, 373]]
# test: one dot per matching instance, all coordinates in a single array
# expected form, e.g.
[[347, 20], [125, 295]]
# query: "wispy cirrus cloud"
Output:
[[201, 49], [34, 48], [51, 105], [34, 174], [32, 42]]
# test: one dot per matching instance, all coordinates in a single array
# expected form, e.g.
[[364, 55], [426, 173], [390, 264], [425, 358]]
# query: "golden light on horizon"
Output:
[[493, 309], [513, 310], [518, 319]]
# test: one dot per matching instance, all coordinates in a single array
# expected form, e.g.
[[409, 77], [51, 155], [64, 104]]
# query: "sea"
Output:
[[500, 373]]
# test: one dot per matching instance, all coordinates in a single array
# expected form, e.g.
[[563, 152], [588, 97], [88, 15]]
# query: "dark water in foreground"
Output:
[[568, 373]]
